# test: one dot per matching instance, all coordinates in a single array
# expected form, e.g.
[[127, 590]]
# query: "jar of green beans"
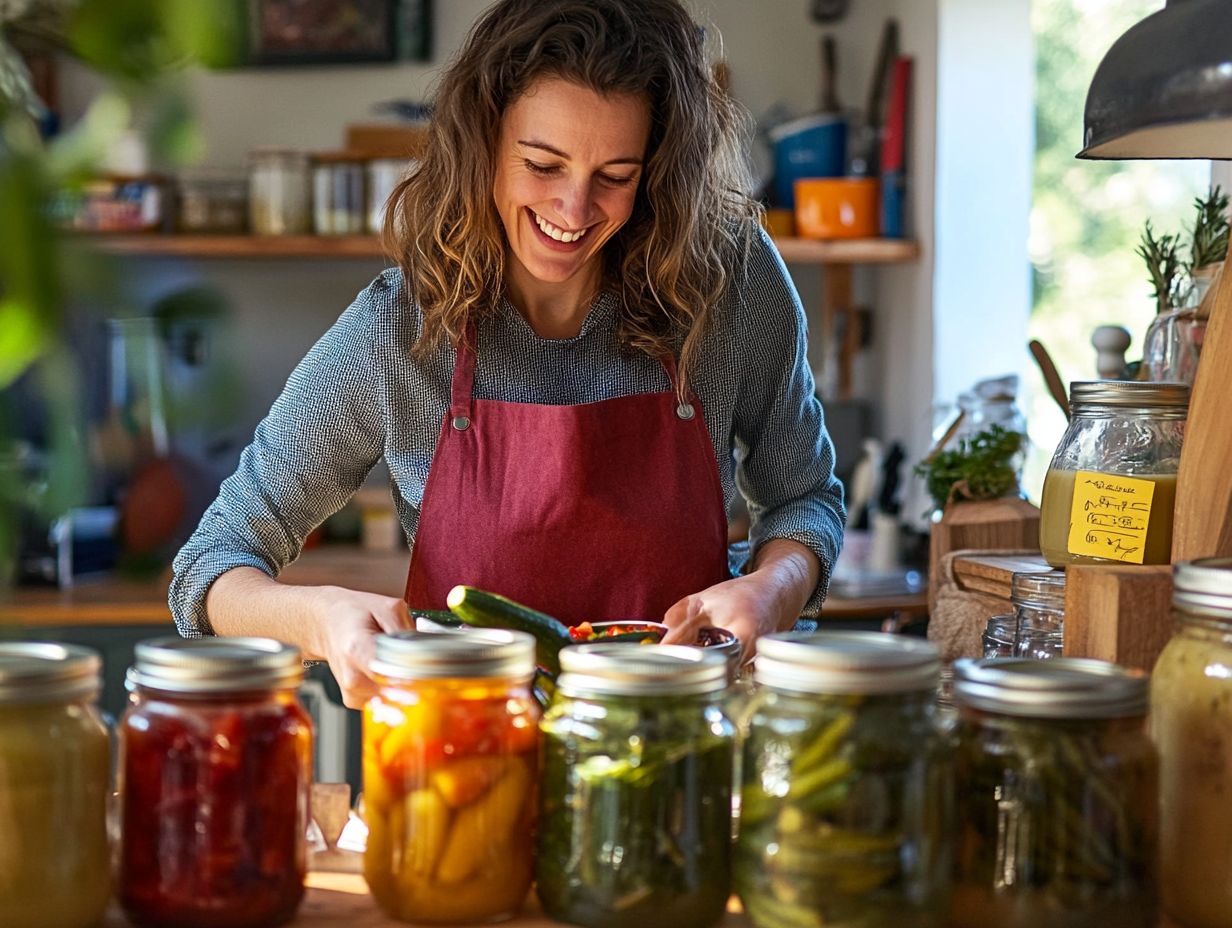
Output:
[[1058, 796], [845, 814]]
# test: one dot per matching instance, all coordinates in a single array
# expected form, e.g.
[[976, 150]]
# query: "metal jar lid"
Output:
[[1203, 587], [616, 669], [463, 654], [1132, 394], [1060, 688], [1039, 590], [215, 665], [846, 662], [42, 672]]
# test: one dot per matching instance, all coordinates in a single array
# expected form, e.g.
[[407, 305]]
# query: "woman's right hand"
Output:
[[347, 623]]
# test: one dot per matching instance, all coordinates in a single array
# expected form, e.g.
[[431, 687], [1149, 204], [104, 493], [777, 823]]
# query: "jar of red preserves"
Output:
[[215, 775]]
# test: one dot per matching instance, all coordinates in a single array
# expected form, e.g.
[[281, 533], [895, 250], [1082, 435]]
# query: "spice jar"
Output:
[[215, 775], [280, 192], [999, 635], [846, 802], [1057, 788], [338, 193], [212, 201], [1191, 722], [54, 771], [635, 817], [450, 767], [1039, 613], [1110, 488], [384, 175]]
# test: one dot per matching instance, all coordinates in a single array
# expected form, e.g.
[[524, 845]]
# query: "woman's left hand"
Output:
[[765, 600]]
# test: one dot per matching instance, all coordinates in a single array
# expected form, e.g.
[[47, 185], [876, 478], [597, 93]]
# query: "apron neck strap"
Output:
[[463, 376]]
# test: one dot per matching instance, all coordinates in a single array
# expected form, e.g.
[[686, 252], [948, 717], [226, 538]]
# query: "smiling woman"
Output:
[[587, 343]]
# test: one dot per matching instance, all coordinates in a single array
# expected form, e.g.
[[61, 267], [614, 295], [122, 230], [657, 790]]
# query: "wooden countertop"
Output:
[[110, 599]]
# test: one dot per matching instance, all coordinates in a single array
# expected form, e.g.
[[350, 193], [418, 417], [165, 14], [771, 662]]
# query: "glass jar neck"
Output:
[[999, 720], [229, 697], [1204, 626], [1108, 411]]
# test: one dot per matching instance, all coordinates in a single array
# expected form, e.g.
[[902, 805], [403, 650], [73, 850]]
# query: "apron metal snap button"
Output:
[[461, 423], [685, 411]]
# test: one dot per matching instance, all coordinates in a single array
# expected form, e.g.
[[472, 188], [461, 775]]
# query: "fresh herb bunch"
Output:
[[1210, 231], [981, 467], [1163, 264]]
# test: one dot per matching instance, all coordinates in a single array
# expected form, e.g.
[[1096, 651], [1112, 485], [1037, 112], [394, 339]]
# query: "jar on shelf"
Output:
[[845, 809], [280, 192], [1057, 786], [1110, 488], [338, 206], [1039, 613], [636, 815], [1191, 722], [450, 762], [215, 776], [384, 175], [999, 635], [55, 868], [212, 202]]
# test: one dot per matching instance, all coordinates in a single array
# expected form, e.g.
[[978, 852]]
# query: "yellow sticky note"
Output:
[[1110, 516]]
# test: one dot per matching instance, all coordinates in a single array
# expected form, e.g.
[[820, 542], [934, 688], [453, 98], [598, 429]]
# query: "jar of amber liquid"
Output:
[[451, 748], [54, 770], [1117, 429], [1191, 721], [215, 776], [1057, 784]]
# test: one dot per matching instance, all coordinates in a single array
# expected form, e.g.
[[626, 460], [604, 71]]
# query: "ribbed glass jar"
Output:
[[846, 800], [451, 756], [215, 777], [1039, 613], [1191, 722], [1117, 429], [55, 869], [1057, 786], [635, 817]]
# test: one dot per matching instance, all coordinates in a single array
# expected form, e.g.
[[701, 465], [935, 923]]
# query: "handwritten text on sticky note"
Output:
[[1110, 516]]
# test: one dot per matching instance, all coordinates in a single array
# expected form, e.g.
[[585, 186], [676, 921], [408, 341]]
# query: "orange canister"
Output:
[[837, 207]]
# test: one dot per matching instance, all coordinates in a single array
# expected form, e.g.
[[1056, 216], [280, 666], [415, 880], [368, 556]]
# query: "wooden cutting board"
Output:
[[1203, 520]]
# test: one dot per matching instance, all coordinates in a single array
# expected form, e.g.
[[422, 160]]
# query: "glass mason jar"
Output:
[[450, 767], [846, 802], [215, 777], [1120, 429], [1058, 796], [55, 869], [279, 192], [1191, 721], [635, 816], [1039, 613], [999, 635], [338, 206]]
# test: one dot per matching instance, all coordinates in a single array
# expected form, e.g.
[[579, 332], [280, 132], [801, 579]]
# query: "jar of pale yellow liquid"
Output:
[[1111, 486], [1191, 722]]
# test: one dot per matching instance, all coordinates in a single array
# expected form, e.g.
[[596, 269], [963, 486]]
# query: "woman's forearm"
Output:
[[247, 601], [791, 572]]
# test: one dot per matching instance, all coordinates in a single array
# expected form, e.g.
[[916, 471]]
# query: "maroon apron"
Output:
[[606, 510]]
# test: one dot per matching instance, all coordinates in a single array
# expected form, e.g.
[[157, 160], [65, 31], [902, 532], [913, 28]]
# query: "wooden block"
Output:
[[387, 140], [998, 525], [1202, 526], [1120, 613], [994, 573]]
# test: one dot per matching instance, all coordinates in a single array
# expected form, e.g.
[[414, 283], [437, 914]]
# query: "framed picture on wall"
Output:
[[292, 32]]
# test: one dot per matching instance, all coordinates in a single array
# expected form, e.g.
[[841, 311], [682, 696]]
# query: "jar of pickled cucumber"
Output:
[[1191, 722], [635, 817], [1057, 786], [451, 746], [1119, 457], [55, 869], [846, 801], [215, 777]]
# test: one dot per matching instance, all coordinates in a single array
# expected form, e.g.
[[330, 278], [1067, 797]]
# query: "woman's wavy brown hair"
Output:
[[692, 217]]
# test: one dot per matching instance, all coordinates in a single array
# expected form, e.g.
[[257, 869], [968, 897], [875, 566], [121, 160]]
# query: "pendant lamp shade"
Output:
[[1164, 90]]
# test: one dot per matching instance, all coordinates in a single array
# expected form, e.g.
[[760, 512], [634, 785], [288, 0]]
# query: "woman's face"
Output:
[[568, 164]]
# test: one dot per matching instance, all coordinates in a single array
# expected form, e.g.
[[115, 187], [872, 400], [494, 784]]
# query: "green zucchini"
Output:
[[439, 616], [488, 610]]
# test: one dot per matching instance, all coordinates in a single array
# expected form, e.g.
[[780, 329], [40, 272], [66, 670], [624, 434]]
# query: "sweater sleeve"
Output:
[[312, 451], [785, 458]]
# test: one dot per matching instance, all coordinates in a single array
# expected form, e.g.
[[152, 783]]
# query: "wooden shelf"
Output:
[[794, 250]]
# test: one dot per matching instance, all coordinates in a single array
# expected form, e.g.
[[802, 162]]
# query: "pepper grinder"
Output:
[[1110, 343]]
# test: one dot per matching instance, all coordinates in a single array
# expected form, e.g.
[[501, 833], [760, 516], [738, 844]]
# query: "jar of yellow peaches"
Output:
[[451, 748]]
